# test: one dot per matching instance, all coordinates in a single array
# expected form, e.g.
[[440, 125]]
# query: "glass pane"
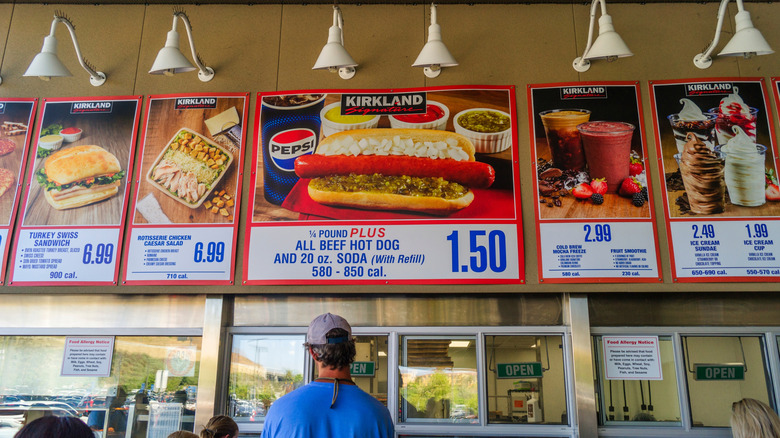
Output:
[[262, 369], [147, 374], [438, 379], [369, 371], [626, 402], [516, 392], [713, 391]]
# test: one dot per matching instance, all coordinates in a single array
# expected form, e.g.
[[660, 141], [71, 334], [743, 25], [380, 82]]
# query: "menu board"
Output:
[[188, 188], [76, 198], [385, 187], [717, 152], [593, 203], [16, 116]]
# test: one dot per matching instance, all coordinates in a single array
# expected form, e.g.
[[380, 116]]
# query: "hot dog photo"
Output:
[[411, 154]]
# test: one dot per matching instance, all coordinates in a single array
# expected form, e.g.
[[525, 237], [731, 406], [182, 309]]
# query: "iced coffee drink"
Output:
[[560, 127], [702, 175], [731, 112], [744, 169], [607, 150], [692, 119]]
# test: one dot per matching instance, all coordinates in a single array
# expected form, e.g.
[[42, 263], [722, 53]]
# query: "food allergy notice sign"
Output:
[[720, 161], [594, 205], [385, 186], [76, 198], [632, 358], [87, 356]]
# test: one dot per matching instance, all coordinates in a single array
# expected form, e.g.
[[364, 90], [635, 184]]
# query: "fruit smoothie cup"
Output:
[[608, 150], [560, 126]]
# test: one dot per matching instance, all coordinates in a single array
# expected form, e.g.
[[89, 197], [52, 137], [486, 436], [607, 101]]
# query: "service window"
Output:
[[525, 379], [721, 370], [637, 382], [369, 371], [438, 379], [262, 369], [147, 375]]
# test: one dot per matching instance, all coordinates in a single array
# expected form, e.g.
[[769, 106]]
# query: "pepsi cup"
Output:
[[290, 127]]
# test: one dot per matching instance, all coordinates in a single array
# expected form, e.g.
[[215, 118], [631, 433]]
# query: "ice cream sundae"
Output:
[[702, 175], [744, 169], [734, 112], [692, 119]]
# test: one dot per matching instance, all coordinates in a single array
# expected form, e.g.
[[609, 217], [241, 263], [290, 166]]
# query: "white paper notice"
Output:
[[632, 358], [87, 356]]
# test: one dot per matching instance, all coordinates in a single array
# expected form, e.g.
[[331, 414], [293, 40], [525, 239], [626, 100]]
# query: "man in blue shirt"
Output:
[[332, 405]]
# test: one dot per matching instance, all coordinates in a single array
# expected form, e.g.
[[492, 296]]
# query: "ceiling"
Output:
[[358, 2]]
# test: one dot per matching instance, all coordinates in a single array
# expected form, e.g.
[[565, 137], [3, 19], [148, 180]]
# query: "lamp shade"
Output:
[[47, 64], [170, 59], [608, 44], [747, 40], [434, 52], [334, 55]]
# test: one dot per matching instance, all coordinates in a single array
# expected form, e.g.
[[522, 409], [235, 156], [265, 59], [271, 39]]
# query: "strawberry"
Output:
[[636, 167], [629, 186], [599, 185], [582, 191], [772, 192]]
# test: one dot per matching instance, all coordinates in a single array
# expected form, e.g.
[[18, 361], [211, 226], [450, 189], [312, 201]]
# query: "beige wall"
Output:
[[272, 47]]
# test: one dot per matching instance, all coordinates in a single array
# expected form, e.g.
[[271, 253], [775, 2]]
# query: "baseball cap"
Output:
[[324, 323]]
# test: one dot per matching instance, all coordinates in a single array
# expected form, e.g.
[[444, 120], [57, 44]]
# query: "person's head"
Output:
[[55, 427], [182, 434], [220, 426], [330, 341], [751, 418]]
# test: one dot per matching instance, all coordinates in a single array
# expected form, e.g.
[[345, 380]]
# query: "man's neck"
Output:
[[330, 373]]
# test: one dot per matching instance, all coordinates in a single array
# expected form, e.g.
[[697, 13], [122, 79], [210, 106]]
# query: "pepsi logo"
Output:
[[286, 146]]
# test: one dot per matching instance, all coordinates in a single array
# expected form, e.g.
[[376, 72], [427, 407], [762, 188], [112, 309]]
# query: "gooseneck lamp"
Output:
[[46, 64], [608, 44], [170, 60], [747, 40], [434, 54], [334, 57]]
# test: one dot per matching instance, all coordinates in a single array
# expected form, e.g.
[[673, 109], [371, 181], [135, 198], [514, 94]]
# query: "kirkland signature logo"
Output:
[[568, 93], [91, 107], [708, 88], [195, 103], [393, 103]]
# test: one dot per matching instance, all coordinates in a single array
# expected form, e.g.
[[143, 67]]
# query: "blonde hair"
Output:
[[220, 426], [182, 434], [751, 418]]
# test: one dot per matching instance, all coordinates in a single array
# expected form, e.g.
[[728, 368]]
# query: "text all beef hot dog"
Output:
[[420, 170]]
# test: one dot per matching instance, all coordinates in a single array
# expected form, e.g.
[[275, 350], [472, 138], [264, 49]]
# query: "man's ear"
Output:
[[311, 351]]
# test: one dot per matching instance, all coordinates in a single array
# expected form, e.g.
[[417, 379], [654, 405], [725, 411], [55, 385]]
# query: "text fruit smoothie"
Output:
[[744, 170], [608, 150], [733, 111], [691, 119], [560, 126], [702, 174]]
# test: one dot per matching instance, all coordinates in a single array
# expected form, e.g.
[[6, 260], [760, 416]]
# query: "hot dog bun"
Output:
[[420, 170]]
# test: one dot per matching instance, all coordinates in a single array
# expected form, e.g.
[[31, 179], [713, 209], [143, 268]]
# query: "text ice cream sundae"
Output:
[[744, 169], [702, 175], [734, 112], [692, 119]]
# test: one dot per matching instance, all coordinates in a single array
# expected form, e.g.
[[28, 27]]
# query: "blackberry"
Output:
[[597, 198], [644, 193], [638, 199]]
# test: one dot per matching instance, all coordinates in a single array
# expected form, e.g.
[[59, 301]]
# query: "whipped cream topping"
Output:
[[733, 104]]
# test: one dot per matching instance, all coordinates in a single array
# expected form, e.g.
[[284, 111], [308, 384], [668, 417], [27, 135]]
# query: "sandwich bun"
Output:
[[80, 162]]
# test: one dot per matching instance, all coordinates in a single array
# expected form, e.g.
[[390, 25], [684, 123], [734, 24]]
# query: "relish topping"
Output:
[[484, 121], [398, 185]]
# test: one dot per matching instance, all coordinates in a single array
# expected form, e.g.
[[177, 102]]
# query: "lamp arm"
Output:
[[181, 15], [707, 54], [92, 73], [591, 26], [338, 21]]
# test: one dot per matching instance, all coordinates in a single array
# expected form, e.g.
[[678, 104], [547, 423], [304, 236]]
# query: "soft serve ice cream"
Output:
[[733, 111], [702, 175], [744, 169], [692, 119]]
